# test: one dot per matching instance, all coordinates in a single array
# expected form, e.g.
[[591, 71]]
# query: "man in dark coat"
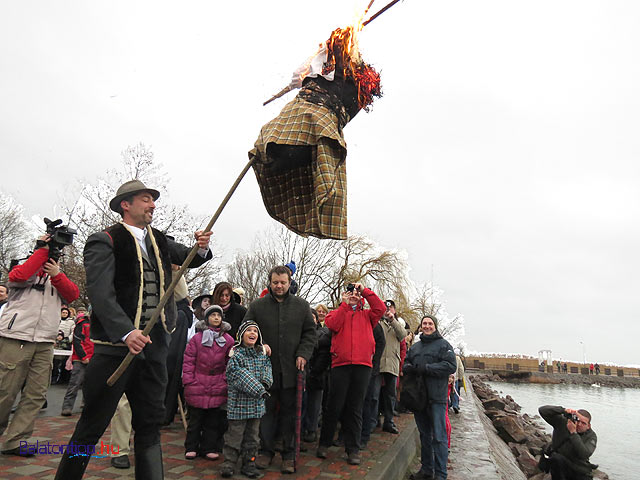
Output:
[[175, 355], [433, 357], [572, 442], [128, 267], [370, 407], [316, 379], [288, 329]]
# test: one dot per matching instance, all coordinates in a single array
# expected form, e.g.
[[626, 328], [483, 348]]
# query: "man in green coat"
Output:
[[288, 330], [572, 443]]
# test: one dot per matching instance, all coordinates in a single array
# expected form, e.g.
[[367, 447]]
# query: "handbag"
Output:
[[414, 394]]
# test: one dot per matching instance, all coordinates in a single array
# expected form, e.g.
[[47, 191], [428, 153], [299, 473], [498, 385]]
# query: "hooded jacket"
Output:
[[203, 369], [33, 314], [249, 375], [433, 357], [352, 341]]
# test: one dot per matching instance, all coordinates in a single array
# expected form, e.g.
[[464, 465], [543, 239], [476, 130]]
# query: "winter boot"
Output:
[[72, 467], [249, 468], [149, 463], [227, 469]]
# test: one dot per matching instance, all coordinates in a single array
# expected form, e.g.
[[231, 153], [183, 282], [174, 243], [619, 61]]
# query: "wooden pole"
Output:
[[181, 409], [165, 298], [384, 9]]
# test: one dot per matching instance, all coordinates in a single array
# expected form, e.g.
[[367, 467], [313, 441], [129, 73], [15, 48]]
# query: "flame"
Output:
[[343, 54]]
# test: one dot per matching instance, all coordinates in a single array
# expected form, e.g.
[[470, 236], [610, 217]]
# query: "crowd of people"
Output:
[[241, 372]]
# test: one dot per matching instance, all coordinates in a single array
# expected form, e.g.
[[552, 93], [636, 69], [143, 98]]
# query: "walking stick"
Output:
[[165, 298], [299, 389], [181, 409]]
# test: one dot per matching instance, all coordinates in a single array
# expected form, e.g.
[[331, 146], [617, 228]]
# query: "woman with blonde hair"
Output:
[[322, 312]]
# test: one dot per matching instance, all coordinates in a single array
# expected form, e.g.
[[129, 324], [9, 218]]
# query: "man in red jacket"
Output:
[[352, 349], [82, 353], [28, 329]]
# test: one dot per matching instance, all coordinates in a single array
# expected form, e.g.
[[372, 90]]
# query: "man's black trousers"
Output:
[[279, 418], [348, 388], [144, 383], [561, 469]]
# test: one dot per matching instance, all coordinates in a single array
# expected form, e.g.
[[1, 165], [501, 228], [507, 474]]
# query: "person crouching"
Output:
[[249, 376], [205, 385]]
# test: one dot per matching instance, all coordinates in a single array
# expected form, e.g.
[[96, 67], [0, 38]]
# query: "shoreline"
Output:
[[558, 378], [522, 434]]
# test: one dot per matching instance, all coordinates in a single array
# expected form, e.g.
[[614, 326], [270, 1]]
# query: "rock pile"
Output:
[[525, 437]]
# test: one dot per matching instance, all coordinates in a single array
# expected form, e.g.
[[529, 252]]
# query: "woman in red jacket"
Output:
[[352, 348]]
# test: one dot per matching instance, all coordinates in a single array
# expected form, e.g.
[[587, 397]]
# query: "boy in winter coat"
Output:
[[249, 376], [205, 385]]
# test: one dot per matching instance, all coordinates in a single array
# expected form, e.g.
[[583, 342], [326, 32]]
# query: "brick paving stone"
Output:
[[29, 469], [56, 429]]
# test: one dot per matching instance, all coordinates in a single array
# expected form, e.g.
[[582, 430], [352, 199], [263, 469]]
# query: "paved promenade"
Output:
[[50, 426], [476, 453]]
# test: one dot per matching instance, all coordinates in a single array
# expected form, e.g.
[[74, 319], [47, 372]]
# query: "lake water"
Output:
[[615, 419]]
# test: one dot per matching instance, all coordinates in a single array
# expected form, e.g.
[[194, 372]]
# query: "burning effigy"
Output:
[[299, 156]]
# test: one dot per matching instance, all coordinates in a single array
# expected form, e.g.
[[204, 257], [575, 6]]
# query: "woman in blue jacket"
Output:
[[433, 357]]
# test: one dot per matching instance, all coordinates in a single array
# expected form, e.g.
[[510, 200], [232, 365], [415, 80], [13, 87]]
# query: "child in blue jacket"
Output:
[[249, 377]]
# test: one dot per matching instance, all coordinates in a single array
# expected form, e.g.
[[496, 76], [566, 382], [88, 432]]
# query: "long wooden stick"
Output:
[[182, 416], [387, 7], [165, 298]]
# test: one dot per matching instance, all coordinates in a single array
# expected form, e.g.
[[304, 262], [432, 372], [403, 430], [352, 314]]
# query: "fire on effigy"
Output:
[[299, 156]]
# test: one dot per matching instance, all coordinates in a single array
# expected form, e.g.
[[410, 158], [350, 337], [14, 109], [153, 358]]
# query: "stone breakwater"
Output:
[[523, 434], [558, 378]]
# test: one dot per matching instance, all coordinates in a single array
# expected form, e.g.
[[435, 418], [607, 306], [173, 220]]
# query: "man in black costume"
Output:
[[128, 267]]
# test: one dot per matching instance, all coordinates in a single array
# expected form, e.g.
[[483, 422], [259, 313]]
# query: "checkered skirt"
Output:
[[309, 199]]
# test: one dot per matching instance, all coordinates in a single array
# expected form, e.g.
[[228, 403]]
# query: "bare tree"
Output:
[[324, 267], [15, 234], [360, 260]]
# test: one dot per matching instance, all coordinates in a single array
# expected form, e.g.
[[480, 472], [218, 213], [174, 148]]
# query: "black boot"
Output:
[[249, 468], [149, 463], [72, 467]]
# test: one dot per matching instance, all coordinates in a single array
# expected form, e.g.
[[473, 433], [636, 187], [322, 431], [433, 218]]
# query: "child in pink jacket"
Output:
[[205, 385]]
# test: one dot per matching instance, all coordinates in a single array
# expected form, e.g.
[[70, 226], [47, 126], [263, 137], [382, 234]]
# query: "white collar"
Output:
[[139, 233]]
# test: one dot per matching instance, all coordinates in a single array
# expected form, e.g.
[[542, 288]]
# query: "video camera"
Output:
[[60, 236]]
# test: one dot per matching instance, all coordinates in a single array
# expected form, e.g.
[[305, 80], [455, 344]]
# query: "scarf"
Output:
[[208, 336]]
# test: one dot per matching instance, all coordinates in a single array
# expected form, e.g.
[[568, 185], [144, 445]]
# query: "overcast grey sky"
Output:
[[504, 151]]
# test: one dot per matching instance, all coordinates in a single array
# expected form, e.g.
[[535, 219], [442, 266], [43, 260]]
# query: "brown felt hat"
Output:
[[130, 188]]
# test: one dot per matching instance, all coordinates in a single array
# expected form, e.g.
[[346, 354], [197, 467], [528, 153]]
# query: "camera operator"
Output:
[[573, 442], [28, 329]]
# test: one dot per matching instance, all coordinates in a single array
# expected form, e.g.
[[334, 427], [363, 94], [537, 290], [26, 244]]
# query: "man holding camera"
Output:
[[573, 442], [394, 333], [128, 268], [28, 329], [352, 349]]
